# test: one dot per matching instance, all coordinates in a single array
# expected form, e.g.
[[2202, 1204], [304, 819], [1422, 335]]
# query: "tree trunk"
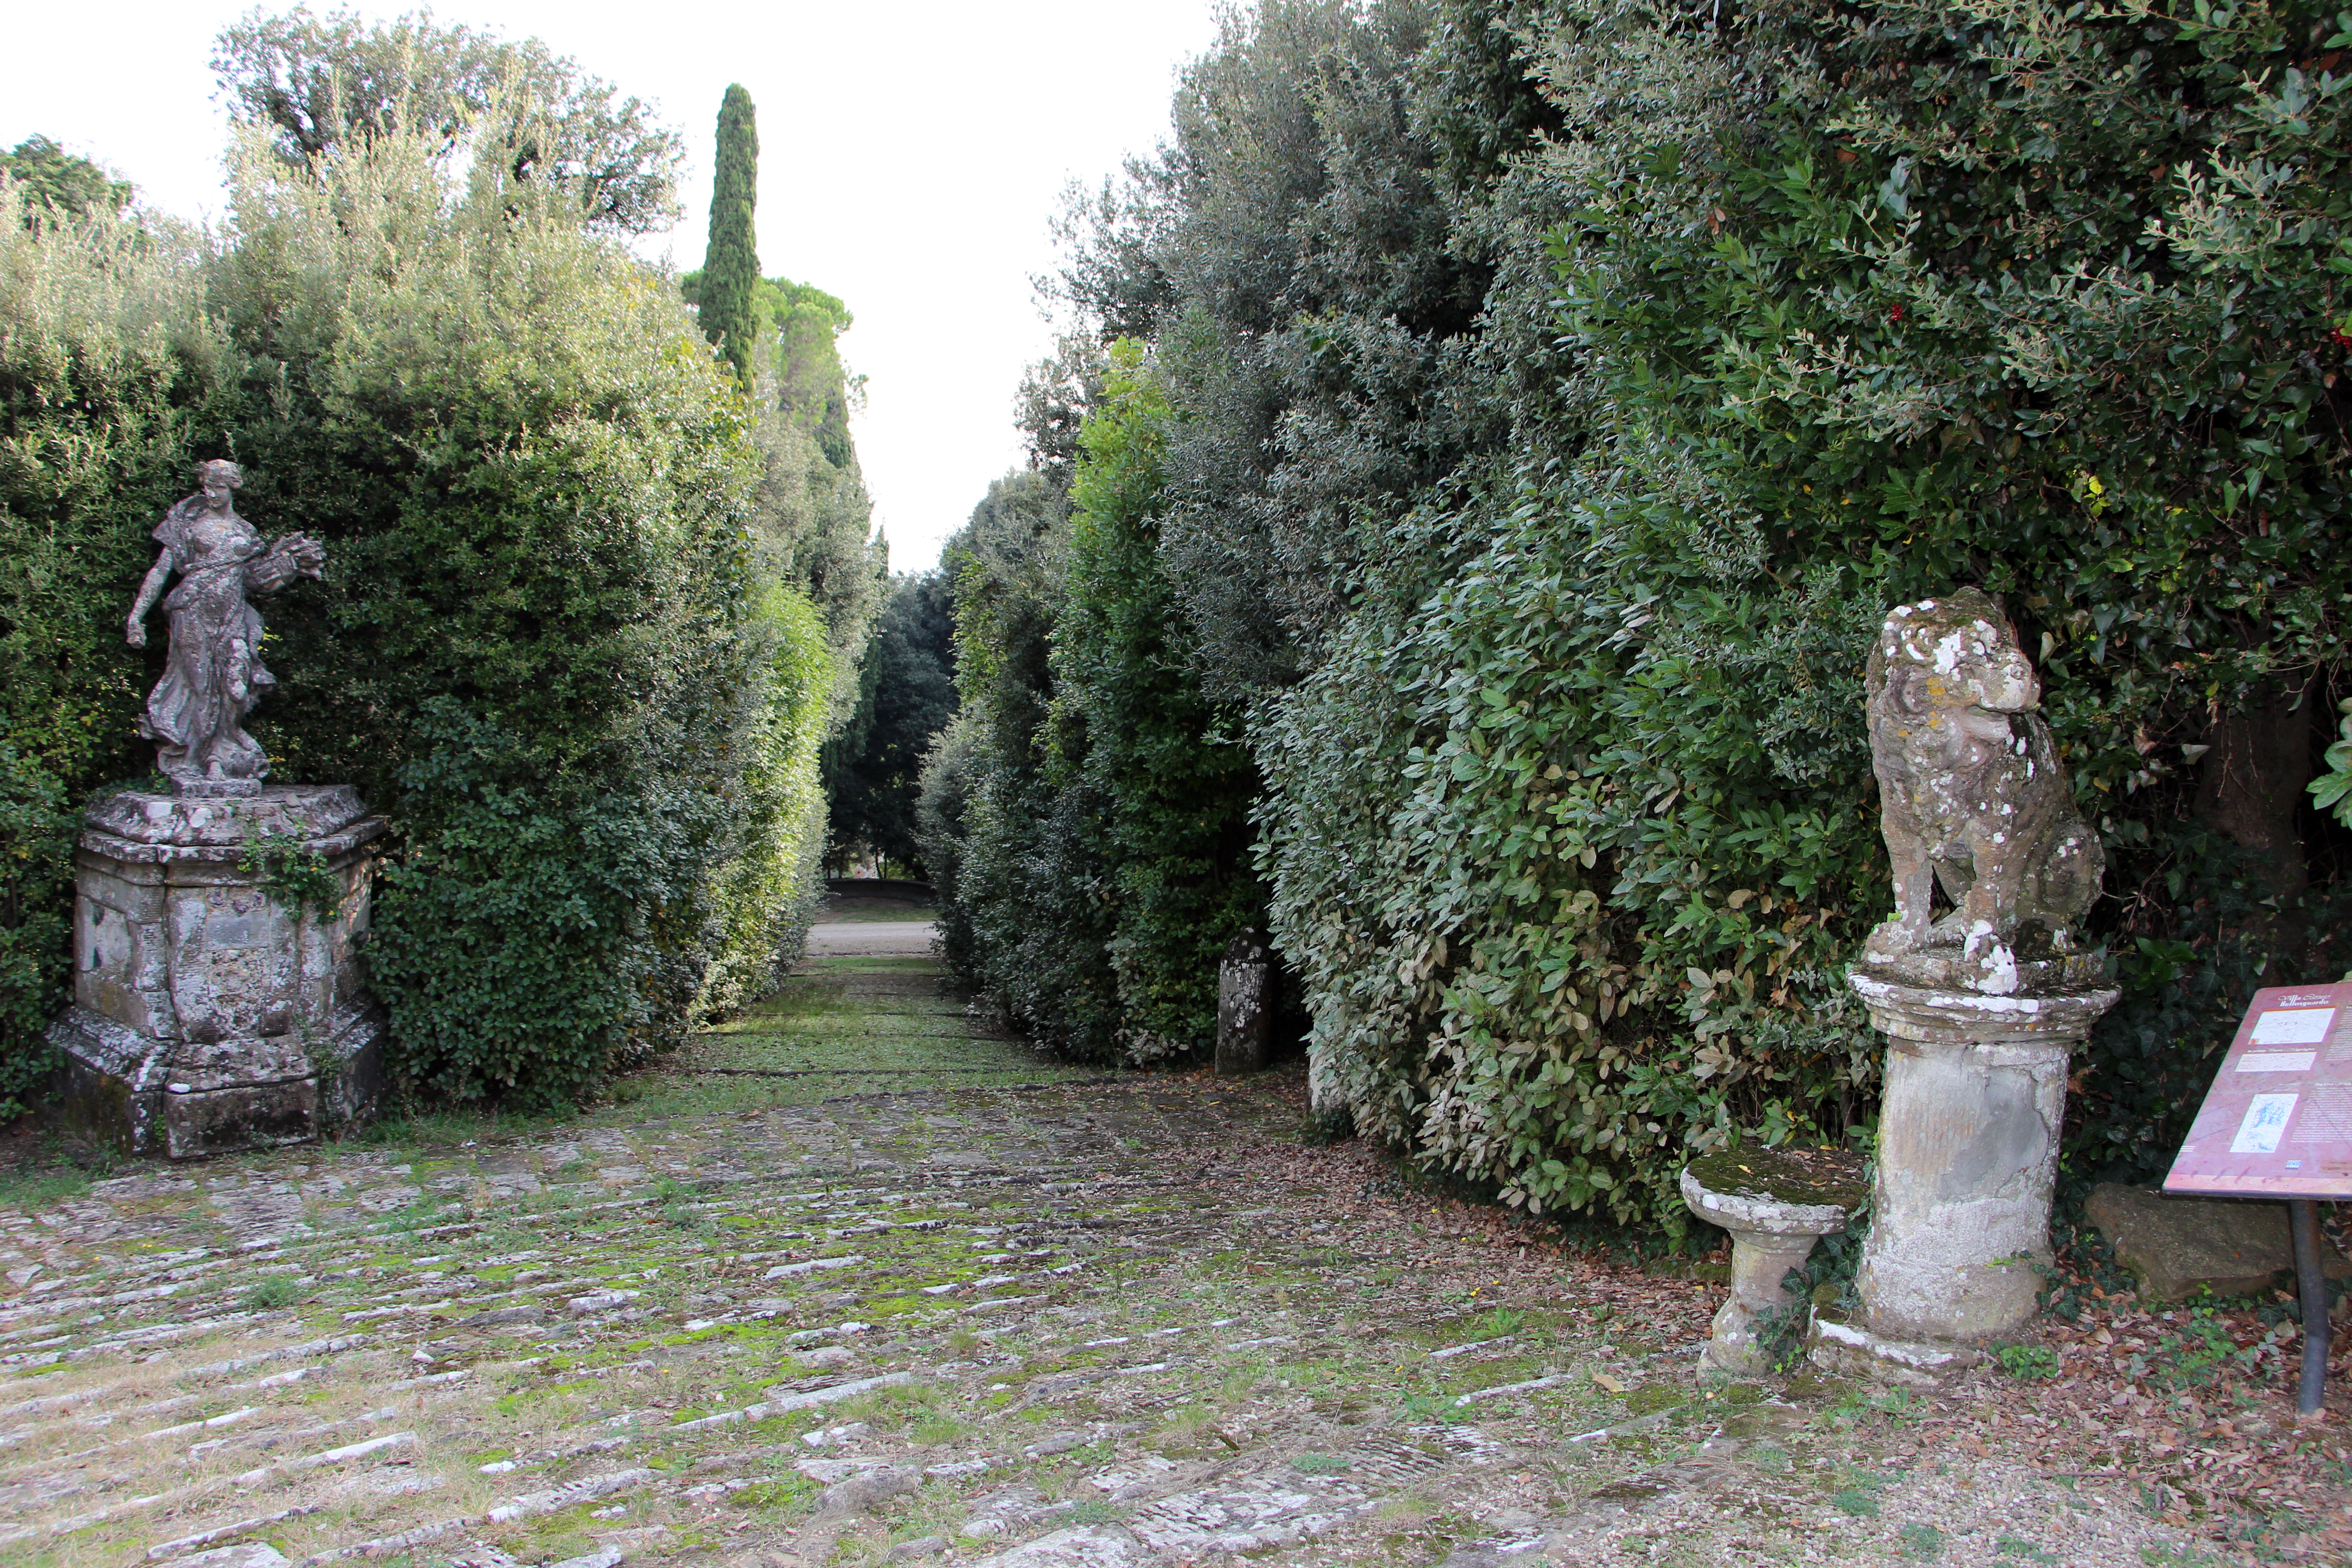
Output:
[[2251, 785]]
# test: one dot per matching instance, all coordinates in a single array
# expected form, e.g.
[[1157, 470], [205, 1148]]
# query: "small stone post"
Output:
[[1244, 1005], [1982, 1004]]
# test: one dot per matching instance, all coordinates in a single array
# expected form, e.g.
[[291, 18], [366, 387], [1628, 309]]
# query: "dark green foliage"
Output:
[[907, 695], [813, 388], [1292, 254], [815, 494], [37, 837], [555, 643], [1015, 858], [1558, 398], [1101, 855], [730, 265], [58, 184], [1132, 730], [548, 894], [111, 385], [313, 85], [541, 647], [1868, 378]]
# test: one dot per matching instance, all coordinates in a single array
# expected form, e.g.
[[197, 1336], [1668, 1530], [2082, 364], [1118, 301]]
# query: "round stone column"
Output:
[[1974, 1098]]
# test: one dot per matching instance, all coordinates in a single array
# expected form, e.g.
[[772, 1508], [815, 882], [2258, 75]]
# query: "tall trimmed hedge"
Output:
[[112, 381], [1559, 395], [557, 643], [1087, 815]]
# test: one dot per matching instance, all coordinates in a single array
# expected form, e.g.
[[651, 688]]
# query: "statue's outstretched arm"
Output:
[[295, 555], [150, 590]]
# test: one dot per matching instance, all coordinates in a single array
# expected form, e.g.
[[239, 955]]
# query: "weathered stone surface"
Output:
[[196, 713], [1776, 1204], [1971, 797], [1982, 1006], [1233, 1326], [1840, 1344], [209, 1015], [2174, 1246], [245, 1554], [1244, 1005], [1967, 1154]]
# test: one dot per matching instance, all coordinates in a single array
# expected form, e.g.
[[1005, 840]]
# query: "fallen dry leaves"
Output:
[[2191, 1411]]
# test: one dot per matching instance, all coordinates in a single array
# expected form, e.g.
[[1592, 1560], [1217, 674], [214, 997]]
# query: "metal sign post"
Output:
[[2277, 1123]]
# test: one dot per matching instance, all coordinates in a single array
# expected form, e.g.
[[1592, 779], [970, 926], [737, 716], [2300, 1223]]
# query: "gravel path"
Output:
[[1055, 1324], [909, 939]]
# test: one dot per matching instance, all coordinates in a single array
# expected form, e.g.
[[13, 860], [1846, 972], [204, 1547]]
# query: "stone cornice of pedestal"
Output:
[[1933, 1015], [136, 826]]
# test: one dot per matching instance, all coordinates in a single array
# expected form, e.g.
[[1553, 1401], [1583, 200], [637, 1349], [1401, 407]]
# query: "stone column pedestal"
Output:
[[1244, 1005], [1968, 1147], [208, 1016]]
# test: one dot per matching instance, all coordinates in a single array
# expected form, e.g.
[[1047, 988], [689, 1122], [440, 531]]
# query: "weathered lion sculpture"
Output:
[[1970, 790]]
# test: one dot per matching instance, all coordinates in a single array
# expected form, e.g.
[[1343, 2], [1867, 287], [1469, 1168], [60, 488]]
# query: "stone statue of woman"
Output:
[[196, 713]]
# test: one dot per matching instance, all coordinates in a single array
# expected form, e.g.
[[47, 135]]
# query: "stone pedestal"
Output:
[[1775, 1208], [1244, 1005], [208, 1015], [1968, 1144]]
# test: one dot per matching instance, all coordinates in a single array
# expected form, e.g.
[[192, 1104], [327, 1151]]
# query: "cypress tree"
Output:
[[730, 265]]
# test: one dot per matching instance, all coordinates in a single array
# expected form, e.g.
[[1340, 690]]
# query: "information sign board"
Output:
[[2277, 1122]]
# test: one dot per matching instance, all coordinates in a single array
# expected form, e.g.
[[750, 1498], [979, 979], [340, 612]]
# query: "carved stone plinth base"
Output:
[[210, 1011], [1838, 1344], [1968, 1151]]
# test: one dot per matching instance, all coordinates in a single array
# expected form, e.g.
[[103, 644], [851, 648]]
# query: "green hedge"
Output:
[[112, 381], [1559, 395], [1851, 309], [555, 643]]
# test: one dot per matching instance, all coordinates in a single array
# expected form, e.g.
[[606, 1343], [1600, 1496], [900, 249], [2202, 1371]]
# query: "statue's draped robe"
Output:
[[197, 712]]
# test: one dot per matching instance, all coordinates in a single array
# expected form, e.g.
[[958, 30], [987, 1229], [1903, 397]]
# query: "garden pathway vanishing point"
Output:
[[854, 1281]]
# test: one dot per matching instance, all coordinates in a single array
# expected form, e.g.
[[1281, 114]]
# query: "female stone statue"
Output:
[[198, 710]]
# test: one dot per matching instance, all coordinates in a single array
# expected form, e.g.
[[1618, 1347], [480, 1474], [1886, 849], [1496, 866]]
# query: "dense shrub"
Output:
[[1131, 729], [1560, 395], [907, 695], [553, 632], [112, 381], [559, 643], [1015, 855], [1091, 806]]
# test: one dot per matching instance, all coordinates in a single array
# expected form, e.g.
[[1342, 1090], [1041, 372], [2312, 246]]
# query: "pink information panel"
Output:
[[2278, 1120]]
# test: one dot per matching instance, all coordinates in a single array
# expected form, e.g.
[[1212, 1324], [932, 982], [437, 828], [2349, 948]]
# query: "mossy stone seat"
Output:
[[1776, 1203]]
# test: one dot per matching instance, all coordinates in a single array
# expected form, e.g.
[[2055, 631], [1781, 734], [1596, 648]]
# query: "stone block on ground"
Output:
[[2173, 1245], [245, 1554]]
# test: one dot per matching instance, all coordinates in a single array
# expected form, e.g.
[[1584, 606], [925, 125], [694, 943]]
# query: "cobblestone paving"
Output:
[[1065, 1323]]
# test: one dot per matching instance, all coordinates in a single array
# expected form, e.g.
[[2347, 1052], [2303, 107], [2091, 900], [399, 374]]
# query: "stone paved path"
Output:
[[1055, 1324]]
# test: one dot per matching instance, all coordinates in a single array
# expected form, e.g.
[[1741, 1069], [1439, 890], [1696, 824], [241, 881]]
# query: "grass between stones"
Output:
[[1045, 1318]]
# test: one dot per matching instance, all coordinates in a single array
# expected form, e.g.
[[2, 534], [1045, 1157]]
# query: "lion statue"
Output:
[[1972, 794]]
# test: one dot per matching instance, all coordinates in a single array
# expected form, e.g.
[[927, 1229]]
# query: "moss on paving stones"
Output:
[[1183, 1304]]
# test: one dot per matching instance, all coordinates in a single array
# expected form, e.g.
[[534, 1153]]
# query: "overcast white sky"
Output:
[[911, 158]]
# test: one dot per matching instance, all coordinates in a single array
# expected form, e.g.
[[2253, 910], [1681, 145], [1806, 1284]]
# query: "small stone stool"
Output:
[[1776, 1203]]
